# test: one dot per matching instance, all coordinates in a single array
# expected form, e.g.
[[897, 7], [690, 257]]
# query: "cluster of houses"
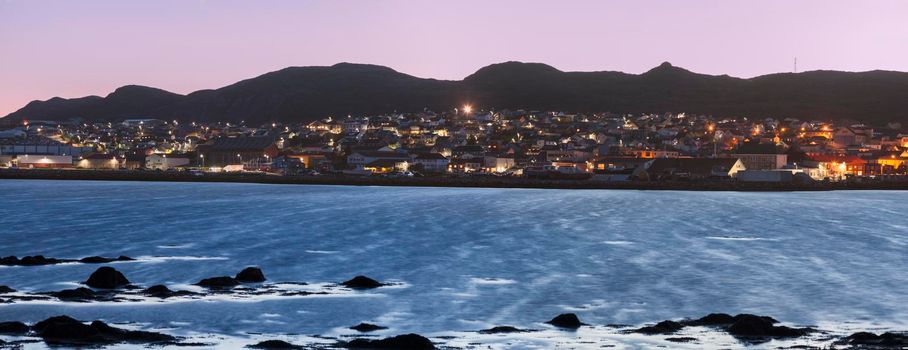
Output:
[[603, 146]]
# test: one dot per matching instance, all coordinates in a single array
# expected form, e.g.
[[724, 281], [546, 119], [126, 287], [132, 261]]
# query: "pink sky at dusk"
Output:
[[79, 48]]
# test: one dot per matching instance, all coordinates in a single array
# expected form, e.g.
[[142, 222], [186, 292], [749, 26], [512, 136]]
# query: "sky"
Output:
[[76, 48]]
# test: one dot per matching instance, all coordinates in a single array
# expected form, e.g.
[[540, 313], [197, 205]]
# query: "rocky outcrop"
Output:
[[362, 282], [715, 319], [67, 331], [869, 340], [218, 282], [250, 275], [566, 321], [106, 277], [103, 260], [76, 294], [401, 342], [762, 326], [124, 335], [502, 329], [39, 260], [275, 345], [664, 327], [5, 289], [367, 327], [36, 260], [13, 328]]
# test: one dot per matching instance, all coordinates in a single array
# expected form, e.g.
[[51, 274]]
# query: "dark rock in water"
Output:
[[80, 293], [36, 260], [161, 291], [106, 277], [663, 327], [218, 282], [501, 329], [95, 260], [250, 274], [13, 328], [125, 335], [566, 321], [274, 344], [762, 326], [66, 330], [713, 320], [766, 318], [5, 289], [886, 340], [157, 290], [367, 327], [103, 260], [362, 282], [400, 342], [681, 339]]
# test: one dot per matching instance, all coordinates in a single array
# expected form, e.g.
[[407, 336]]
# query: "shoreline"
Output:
[[462, 182]]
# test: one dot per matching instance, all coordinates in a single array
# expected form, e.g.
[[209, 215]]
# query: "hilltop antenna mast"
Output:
[[796, 65]]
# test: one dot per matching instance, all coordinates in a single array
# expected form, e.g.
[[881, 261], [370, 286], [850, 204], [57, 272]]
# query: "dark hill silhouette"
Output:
[[307, 93]]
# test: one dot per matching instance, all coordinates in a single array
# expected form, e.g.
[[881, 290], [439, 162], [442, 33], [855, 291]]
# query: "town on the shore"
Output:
[[467, 142]]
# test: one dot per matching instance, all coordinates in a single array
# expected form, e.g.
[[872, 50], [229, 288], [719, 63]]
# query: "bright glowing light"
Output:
[[467, 109]]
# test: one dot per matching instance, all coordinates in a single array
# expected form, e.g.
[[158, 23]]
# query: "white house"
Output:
[[432, 162], [165, 161]]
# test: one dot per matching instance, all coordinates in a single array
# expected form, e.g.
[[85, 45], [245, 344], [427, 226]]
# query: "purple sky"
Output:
[[78, 48]]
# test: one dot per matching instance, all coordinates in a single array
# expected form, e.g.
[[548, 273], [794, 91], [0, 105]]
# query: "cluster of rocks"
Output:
[[867, 340], [248, 275], [741, 326], [108, 284], [401, 342], [39, 260], [64, 330]]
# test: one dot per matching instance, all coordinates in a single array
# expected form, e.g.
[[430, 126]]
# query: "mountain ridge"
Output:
[[304, 93]]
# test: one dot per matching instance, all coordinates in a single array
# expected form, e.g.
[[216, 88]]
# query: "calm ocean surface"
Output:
[[466, 259]]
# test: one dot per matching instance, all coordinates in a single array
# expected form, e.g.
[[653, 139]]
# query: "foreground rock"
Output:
[[106, 277], [367, 327], [274, 344], [762, 326], [401, 342], [65, 330], [218, 282], [13, 328], [664, 327], [869, 340], [68, 331], [124, 335], [566, 321], [5, 289], [250, 275], [362, 282]]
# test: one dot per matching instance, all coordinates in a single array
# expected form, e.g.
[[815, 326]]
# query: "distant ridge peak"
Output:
[[666, 67], [361, 66], [511, 69]]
